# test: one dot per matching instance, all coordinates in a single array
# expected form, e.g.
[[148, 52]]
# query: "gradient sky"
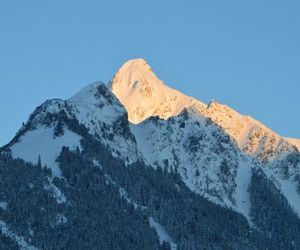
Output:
[[243, 53]]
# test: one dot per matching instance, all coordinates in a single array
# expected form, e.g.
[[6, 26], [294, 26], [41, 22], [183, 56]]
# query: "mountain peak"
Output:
[[97, 94], [131, 74], [137, 62], [143, 94], [86, 92]]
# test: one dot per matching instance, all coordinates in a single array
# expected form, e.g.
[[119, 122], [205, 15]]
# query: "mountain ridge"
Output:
[[135, 85]]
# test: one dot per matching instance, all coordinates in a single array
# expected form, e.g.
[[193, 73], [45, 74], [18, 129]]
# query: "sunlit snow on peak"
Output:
[[143, 94]]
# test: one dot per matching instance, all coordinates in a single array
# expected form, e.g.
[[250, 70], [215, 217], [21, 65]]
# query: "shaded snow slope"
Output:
[[207, 160], [241, 194], [42, 143], [95, 102], [102, 113], [162, 234], [23, 245], [285, 174]]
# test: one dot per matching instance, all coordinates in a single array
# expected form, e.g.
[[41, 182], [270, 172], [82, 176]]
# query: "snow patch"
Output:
[[288, 188], [123, 193], [97, 164], [242, 197], [41, 143], [60, 219], [55, 192], [4, 229], [162, 234], [3, 205]]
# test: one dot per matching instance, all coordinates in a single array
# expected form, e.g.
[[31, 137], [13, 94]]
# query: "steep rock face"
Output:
[[51, 126]]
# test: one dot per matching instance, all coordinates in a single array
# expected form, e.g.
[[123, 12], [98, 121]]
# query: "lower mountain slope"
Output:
[[102, 203]]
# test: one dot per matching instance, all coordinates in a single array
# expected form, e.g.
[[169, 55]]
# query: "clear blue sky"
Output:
[[243, 53]]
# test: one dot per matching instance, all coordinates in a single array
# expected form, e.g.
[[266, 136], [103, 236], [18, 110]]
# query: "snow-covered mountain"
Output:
[[203, 143], [150, 149]]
